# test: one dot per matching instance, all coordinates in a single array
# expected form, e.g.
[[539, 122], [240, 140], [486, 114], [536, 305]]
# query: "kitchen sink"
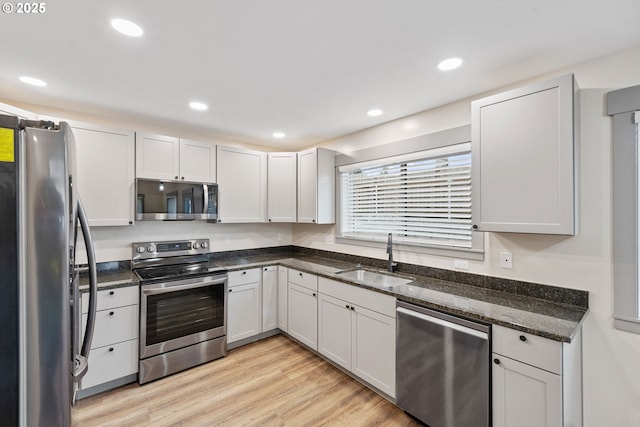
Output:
[[374, 278]]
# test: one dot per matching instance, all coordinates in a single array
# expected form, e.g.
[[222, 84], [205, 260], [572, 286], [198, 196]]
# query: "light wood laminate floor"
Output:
[[273, 382]]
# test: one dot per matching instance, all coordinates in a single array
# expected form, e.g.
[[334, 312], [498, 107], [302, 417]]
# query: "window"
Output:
[[623, 105], [423, 199]]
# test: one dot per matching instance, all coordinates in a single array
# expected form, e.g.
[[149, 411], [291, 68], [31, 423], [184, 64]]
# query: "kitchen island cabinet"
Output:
[[524, 155]]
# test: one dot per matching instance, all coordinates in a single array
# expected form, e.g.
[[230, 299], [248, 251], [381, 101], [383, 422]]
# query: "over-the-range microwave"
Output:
[[176, 200]]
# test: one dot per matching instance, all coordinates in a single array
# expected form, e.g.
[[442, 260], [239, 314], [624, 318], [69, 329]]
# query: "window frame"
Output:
[[624, 107], [408, 148]]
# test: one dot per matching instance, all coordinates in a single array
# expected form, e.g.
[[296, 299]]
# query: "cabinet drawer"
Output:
[[112, 298], [307, 280], [243, 277], [114, 326], [530, 349], [384, 304], [111, 362]]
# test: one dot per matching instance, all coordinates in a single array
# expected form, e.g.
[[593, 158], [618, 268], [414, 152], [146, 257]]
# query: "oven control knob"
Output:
[[196, 245], [140, 249], [151, 248], [204, 245]]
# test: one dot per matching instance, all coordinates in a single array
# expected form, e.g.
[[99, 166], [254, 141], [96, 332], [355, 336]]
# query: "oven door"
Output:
[[180, 313]]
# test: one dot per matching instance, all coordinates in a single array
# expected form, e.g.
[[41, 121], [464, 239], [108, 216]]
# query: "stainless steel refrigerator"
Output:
[[41, 355]]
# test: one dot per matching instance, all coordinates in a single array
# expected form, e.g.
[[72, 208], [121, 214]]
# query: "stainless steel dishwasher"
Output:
[[442, 367]]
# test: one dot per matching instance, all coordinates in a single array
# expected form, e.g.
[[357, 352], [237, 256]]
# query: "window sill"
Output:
[[471, 254], [627, 324]]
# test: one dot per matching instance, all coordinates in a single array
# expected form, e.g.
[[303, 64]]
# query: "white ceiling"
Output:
[[311, 69]]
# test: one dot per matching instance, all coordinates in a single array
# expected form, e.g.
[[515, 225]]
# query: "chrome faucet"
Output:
[[391, 266]]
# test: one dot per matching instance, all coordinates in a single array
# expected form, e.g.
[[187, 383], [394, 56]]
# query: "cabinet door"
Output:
[[110, 363], [334, 330], [282, 298], [523, 154], [242, 185], [269, 298], [197, 161], [282, 187], [243, 312], [525, 396], [157, 157], [307, 186], [303, 315], [374, 349], [106, 173]]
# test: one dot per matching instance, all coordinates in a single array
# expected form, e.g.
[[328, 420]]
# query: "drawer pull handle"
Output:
[[496, 361], [300, 274], [352, 308], [523, 338], [111, 293], [111, 313], [314, 294], [111, 349], [230, 290], [244, 272], [347, 306]]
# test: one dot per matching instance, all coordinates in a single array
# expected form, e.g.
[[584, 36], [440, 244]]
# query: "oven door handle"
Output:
[[177, 287]]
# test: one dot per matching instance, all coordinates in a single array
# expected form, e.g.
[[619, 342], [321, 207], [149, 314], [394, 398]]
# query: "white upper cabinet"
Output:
[[197, 161], [524, 154], [242, 185], [105, 168], [282, 187], [316, 186], [171, 159], [157, 157]]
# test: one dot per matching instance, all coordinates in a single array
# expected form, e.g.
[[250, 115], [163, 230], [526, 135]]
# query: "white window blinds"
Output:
[[422, 199]]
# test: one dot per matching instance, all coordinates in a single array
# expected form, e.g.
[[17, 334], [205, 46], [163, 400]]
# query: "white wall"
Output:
[[114, 243], [611, 357]]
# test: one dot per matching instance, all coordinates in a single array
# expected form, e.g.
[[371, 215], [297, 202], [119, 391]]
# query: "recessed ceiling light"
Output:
[[127, 28], [375, 112], [278, 135], [32, 81], [200, 106], [450, 64]]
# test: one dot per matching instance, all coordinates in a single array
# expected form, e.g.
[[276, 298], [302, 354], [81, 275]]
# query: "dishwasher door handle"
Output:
[[445, 323]]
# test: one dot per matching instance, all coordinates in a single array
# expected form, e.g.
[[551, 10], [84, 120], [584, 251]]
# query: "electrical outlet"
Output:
[[329, 239], [506, 260], [280, 237], [225, 240]]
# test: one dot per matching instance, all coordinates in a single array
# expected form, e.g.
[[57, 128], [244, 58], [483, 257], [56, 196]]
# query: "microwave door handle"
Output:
[[205, 202], [93, 281]]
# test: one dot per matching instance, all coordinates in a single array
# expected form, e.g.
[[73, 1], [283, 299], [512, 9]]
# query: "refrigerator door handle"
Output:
[[81, 360]]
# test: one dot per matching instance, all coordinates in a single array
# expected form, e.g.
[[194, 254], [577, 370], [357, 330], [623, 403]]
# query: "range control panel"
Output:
[[146, 250]]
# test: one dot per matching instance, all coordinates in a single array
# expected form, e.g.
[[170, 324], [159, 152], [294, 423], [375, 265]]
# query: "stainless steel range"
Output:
[[183, 307]]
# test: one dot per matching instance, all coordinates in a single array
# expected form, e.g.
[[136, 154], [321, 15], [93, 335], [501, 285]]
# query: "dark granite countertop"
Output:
[[549, 319], [546, 313]]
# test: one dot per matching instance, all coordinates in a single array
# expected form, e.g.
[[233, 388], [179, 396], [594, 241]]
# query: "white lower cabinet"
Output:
[[536, 382], [269, 298], [302, 307], [114, 349], [358, 337], [282, 298], [243, 305]]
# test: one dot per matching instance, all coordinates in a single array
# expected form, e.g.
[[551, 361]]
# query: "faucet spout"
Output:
[[391, 265]]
